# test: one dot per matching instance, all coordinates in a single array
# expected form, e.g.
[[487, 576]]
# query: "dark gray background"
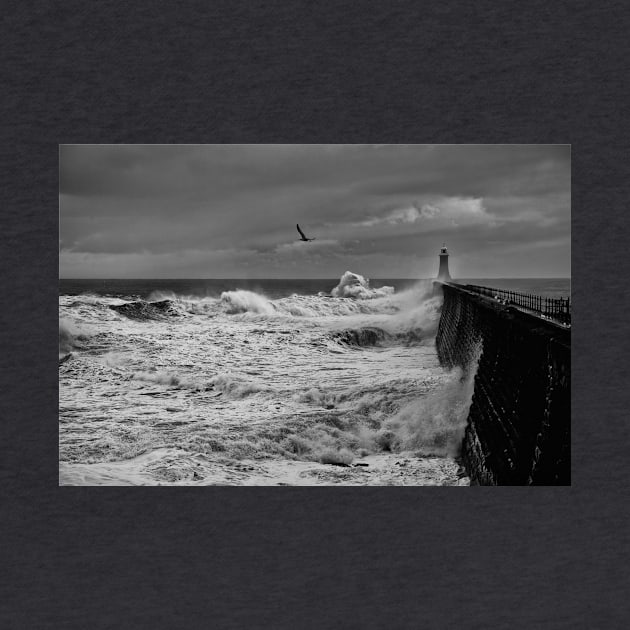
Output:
[[341, 72]]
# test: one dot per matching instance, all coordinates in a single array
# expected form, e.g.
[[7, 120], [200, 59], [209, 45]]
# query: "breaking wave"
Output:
[[434, 423], [71, 337], [351, 296], [353, 285], [431, 422], [245, 376], [246, 302], [413, 318], [142, 310], [233, 385], [371, 336], [428, 420], [237, 386]]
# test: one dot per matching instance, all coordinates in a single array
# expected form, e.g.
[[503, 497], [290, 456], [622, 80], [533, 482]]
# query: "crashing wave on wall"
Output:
[[354, 285]]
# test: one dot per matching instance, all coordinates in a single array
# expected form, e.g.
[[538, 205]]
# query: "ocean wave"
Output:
[[373, 336], [167, 378], [232, 385], [297, 306], [142, 310], [354, 285], [71, 337], [373, 402], [237, 386], [335, 428], [246, 302], [428, 417], [91, 300], [435, 423], [310, 306], [266, 378], [352, 296]]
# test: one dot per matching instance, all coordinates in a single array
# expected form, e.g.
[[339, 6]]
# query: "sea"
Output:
[[261, 382]]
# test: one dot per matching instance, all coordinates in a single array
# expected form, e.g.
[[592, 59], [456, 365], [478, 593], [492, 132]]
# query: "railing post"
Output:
[[555, 308]]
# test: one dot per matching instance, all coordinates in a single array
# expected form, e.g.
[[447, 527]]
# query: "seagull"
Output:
[[303, 235]]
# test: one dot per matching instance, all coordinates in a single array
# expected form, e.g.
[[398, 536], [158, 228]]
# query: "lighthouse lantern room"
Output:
[[443, 273]]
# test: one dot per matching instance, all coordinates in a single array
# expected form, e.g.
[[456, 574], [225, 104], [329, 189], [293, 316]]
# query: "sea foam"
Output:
[[353, 285], [323, 378]]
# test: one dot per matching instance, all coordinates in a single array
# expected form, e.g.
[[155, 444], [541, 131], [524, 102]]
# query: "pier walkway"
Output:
[[555, 310]]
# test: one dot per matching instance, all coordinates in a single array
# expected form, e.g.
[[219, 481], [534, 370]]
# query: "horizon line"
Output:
[[331, 278]]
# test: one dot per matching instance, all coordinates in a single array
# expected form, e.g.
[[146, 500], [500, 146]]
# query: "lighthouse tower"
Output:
[[443, 273]]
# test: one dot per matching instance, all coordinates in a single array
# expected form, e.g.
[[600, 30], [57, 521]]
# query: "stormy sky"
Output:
[[229, 211]]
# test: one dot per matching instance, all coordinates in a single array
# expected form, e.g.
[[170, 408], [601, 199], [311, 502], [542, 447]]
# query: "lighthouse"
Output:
[[443, 273]]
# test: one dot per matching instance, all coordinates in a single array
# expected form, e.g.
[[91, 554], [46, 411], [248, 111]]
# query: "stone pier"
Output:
[[519, 424]]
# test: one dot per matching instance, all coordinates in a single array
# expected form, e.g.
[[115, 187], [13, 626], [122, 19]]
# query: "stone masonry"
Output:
[[518, 430]]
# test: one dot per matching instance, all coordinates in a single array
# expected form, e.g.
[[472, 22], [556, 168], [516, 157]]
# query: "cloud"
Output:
[[298, 247], [408, 214], [403, 215], [451, 209], [428, 211], [182, 264], [399, 215], [131, 204]]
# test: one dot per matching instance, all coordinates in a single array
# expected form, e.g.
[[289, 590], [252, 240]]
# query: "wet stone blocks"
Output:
[[518, 429]]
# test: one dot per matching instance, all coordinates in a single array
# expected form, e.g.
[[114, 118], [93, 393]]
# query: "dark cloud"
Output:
[[163, 210]]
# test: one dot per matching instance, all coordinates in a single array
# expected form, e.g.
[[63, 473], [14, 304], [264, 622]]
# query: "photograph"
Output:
[[314, 314]]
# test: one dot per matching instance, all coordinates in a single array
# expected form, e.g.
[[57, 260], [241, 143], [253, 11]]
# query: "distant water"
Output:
[[260, 382], [274, 289], [141, 289]]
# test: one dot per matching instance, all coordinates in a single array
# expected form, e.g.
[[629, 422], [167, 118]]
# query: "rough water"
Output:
[[257, 387]]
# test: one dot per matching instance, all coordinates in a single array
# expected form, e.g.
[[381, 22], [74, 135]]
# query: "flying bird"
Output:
[[303, 235]]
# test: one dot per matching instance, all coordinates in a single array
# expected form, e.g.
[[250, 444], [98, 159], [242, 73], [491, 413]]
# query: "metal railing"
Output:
[[557, 309]]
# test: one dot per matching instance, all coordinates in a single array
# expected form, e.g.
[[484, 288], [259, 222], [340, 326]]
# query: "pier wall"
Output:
[[518, 430]]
